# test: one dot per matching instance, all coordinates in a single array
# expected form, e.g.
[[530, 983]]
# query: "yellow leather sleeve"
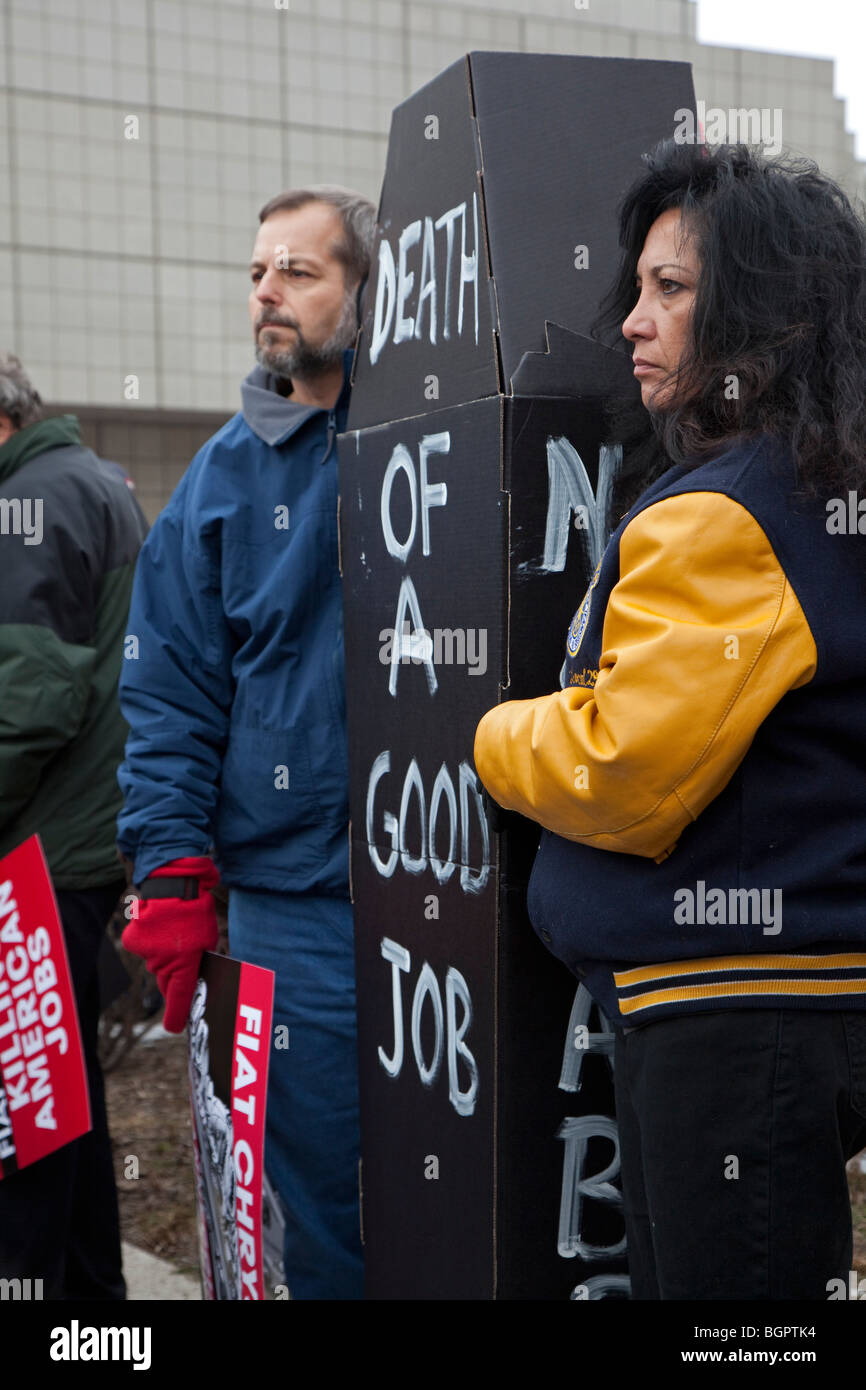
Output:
[[702, 637]]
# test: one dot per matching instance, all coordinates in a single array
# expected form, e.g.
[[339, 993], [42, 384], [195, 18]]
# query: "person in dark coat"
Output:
[[70, 531]]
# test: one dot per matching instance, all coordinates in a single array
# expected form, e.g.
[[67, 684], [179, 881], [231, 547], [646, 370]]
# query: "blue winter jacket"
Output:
[[233, 682]]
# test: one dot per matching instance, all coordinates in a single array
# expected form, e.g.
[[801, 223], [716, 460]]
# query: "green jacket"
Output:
[[70, 531]]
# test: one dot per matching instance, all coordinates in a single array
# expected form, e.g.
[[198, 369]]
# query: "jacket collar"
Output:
[[35, 439], [274, 418]]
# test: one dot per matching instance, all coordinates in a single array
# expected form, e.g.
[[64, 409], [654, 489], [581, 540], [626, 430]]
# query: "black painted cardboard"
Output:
[[467, 1205], [539, 146]]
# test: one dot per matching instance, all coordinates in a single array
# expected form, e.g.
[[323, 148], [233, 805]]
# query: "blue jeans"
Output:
[[312, 1138]]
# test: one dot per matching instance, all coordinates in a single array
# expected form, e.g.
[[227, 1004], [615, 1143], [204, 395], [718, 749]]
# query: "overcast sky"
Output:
[[818, 28]]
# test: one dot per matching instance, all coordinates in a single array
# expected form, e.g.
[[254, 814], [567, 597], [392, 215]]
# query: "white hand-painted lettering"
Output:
[[447, 1033], [576, 1131], [395, 284], [467, 797], [570, 491]]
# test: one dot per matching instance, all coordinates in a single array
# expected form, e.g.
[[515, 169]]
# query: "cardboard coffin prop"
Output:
[[475, 478]]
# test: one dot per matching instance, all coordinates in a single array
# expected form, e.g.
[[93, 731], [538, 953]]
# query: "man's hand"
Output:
[[176, 922]]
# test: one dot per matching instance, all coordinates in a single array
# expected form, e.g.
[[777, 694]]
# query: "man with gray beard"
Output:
[[236, 763]]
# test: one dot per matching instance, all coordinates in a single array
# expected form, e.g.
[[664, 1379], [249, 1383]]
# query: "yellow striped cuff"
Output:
[[776, 978]]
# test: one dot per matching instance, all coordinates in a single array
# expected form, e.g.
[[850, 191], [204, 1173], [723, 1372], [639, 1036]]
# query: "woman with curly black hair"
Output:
[[701, 777]]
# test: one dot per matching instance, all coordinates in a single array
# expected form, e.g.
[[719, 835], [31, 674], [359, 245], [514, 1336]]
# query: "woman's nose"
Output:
[[638, 324]]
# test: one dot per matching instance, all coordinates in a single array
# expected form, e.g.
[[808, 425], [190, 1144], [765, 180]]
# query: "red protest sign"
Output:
[[44, 1099], [229, 1038]]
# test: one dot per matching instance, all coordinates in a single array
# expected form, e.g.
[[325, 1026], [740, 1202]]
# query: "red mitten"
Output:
[[170, 933]]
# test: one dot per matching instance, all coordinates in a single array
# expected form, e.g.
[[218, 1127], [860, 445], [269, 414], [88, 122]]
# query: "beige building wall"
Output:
[[138, 139]]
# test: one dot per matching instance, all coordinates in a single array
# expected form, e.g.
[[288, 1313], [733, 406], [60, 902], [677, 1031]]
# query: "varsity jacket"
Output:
[[70, 531], [235, 694], [701, 776]]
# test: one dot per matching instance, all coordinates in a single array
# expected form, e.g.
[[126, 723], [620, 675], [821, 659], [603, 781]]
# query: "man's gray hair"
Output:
[[358, 217], [18, 398]]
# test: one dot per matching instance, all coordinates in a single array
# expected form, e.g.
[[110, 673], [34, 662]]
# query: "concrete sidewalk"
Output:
[[150, 1278]]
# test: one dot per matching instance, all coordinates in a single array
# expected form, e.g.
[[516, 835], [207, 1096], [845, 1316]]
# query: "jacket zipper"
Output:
[[332, 425]]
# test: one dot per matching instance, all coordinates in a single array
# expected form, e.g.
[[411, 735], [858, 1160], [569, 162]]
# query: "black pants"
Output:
[[735, 1128], [58, 1217]]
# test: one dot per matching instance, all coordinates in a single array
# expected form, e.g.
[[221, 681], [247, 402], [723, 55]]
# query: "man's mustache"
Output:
[[265, 319]]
